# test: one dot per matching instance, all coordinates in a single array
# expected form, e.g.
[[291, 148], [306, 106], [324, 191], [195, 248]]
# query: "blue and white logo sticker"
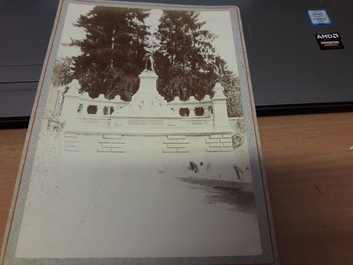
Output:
[[319, 17]]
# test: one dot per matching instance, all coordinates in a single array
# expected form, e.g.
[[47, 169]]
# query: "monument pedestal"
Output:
[[147, 102], [148, 85]]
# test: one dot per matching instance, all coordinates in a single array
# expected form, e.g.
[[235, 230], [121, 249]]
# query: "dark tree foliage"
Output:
[[112, 52], [187, 64], [231, 85], [184, 60], [62, 73], [113, 57]]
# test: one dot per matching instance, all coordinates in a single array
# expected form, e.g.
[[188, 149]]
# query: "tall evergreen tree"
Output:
[[184, 62], [231, 85], [187, 64], [112, 52]]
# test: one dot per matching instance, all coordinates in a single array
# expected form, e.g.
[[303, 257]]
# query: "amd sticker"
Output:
[[329, 41]]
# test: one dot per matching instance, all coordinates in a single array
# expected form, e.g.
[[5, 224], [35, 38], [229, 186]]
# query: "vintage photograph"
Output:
[[143, 149]]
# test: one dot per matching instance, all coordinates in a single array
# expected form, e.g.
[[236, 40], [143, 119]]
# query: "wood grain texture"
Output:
[[310, 177], [302, 154], [11, 145]]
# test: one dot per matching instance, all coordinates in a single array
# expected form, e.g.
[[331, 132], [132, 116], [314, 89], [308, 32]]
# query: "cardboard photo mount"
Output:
[[149, 173]]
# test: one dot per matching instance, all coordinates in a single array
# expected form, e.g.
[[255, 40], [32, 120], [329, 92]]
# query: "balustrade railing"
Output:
[[75, 104], [192, 107], [100, 105], [85, 105]]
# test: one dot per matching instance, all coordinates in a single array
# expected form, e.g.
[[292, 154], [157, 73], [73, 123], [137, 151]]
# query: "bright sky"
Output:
[[218, 22]]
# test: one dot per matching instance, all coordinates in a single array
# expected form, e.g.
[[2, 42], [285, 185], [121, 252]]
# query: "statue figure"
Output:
[[152, 46], [149, 59]]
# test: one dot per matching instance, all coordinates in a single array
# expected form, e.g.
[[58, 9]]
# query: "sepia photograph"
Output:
[[144, 143]]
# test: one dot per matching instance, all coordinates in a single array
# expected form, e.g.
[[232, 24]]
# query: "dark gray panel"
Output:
[[25, 28], [15, 73], [286, 63], [16, 100]]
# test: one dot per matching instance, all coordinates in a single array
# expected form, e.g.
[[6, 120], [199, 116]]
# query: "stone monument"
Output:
[[147, 102]]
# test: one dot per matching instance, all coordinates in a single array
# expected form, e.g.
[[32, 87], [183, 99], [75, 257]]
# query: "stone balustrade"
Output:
[[100, 105], [82, 104], [192, 107], [146, 106]]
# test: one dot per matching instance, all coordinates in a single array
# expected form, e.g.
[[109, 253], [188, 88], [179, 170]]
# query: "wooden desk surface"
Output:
[[310, 177]]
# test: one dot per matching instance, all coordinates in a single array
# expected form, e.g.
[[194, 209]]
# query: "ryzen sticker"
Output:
[[329, 41]]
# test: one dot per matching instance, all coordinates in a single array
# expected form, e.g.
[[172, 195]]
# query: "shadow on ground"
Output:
[[239, 195]]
